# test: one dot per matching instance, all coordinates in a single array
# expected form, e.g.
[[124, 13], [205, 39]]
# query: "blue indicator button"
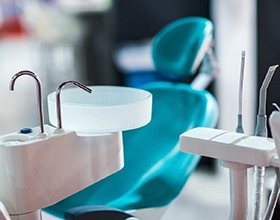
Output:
[[26, 130]]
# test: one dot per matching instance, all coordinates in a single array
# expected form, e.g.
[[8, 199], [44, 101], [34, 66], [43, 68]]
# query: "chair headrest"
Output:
[[179, 47]]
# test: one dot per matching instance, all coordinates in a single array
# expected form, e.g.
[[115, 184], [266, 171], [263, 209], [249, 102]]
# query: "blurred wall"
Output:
[[268, 48], [137, 20], [128, 21]]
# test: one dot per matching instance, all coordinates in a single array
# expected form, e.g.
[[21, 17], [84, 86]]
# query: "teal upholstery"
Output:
[[155, 170], [181, 45]]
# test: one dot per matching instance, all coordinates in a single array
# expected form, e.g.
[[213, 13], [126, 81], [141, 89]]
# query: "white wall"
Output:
[[235, 30]]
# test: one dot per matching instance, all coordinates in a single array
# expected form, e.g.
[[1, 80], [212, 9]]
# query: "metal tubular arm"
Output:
[[39, 93], [58, 102]]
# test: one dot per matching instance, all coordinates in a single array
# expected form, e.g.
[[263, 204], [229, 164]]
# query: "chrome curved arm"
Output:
[[39, 93], [58, 102]]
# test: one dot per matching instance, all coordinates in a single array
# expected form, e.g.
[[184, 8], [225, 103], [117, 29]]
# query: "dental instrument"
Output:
[[261, 130], [239, 127], [261, 127], [58, 102], [39, 95]]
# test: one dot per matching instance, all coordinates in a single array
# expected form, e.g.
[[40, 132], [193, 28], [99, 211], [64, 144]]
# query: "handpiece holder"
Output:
[[237, 152], [229, 146]]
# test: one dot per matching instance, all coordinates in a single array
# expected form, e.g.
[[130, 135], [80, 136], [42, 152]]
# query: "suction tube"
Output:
[[261, 130], [258, 192]]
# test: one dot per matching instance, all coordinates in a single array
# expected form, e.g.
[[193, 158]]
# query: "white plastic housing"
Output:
[[106, 109], [274, 121], [38, 172], [229, 146]]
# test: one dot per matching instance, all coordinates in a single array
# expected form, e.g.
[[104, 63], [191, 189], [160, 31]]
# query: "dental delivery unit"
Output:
[[238, 152]]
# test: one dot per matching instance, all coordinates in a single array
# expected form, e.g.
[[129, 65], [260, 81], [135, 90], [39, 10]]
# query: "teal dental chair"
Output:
[[155, 170]]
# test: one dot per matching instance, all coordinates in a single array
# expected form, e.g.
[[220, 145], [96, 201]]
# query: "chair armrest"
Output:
[[97, 213]]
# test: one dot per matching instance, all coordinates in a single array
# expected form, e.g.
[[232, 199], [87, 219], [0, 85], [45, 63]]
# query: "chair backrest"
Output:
[[177, 53], [155, 170]]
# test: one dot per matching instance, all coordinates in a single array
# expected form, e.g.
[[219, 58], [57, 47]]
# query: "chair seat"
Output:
[[155, 170]]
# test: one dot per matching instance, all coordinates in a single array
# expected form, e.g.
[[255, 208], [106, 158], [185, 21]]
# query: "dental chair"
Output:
[[155, 171]]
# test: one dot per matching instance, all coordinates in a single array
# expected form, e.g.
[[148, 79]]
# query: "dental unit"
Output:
[[84, 145], [37, 163], [238, 152], [54, 167]]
